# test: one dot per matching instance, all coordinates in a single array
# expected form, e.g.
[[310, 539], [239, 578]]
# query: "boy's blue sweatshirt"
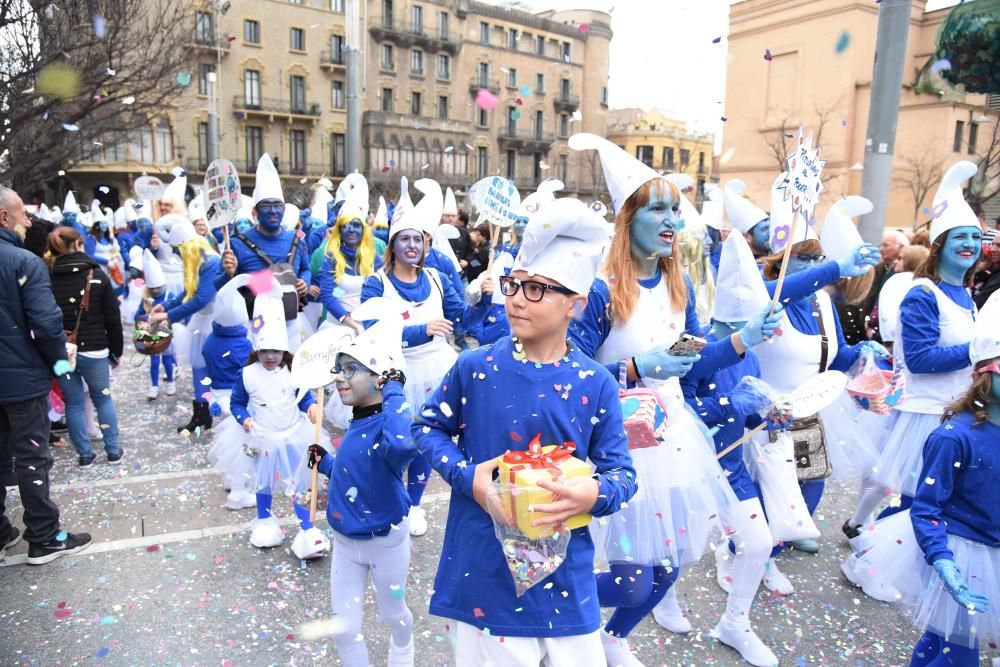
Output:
[[226, 351]]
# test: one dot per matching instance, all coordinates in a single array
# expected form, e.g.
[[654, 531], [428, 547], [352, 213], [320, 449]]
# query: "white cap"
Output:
[[382, 214], [196, 208], [320, 203], [403, 204], [450, 205], [267, 184], [740, 293], [711, 208], [230, 308], [353, 186], [950, 208], [565, 242], [152, 272], [985, 344], [268, 324], [544, 195], [70, 205], [622, 172], [291, 217], [840, 236], [175, 191], [379, 347], [742, 213]]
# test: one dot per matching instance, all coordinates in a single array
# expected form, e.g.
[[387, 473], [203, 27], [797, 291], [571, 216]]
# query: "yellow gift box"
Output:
[[520, 472]]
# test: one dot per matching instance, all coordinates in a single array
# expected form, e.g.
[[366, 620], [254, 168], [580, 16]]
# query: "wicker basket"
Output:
[[882, 400], [154, 340]]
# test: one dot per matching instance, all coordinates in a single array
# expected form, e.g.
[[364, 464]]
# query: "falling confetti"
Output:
[[70, 127], [100, 26], [58, 80], [940, 65], [716, 40], [184, 79], [486, 100], [767, 55], [843, 42]]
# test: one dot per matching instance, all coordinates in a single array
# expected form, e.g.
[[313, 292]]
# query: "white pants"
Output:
[[387, 559], [747, 529], [474, 647]]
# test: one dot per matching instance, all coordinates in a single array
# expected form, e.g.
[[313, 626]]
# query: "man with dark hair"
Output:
[[32, 348]]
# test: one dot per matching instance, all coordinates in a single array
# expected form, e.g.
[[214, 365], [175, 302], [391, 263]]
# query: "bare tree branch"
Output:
[[781, 141], [920, 175]]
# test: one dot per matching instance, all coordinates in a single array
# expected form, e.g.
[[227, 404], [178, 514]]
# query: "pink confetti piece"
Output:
[[486, 100]]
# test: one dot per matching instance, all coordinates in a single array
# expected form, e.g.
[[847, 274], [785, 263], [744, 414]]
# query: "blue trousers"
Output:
[[97, 374], [633, 590], [933, 651]]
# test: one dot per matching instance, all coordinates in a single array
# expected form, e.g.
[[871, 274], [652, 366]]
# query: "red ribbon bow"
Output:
[[536, 458]]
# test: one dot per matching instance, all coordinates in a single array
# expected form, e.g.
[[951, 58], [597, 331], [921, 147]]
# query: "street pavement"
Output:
[[172, 580]]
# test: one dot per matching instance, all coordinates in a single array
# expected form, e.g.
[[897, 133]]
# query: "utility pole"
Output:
[[353, 63], [883, 114]]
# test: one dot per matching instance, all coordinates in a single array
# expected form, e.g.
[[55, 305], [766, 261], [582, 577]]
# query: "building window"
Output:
[[511, 122], [644, 154], [337, 6], [415, 100], [203, 148], [540, 45], [443, 28], [685, 158], [388, 57], [701, 162], [444, 66], [604, 96], [443, 107], [512, 77], [482, 162], [337, 49], [297, 39], [563, 168], [563, 125], [251, 88], [337, 95], [204, 69], [482, 117], [511, 164], [416, 62], [298, 151], [484, 33], [255, 146], [973, 136], [483, 75], [388, 103], [564, 89], [338, 154], [387, 13], [204, 28], [251, 31], [959, 132], [164, 141], [142, 148], [297, 86], [537, 169], [417, 19], [668, 158], [539, 124], [539, 83], [566, 51], [512, 39]]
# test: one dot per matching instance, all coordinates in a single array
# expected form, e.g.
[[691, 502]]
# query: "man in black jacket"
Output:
[[32, 347]]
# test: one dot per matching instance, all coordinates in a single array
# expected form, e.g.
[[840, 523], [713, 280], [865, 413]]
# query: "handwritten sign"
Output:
[[222, 193], [314, 358], [497, 200], [148, 187], [816, 393], [803, 184]]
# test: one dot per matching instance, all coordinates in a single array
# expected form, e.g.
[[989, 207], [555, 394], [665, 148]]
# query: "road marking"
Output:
[[118, 481]]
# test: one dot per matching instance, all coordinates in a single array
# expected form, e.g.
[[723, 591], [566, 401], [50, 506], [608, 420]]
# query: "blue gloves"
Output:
[[858, 262], [954, 583], [878, 351], [761, 327], [659, 364], [62, 367], [750, 395]]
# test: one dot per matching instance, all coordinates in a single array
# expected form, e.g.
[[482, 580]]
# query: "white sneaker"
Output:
[[266, 533], [170, 388], [417, 520], [309, 544], [741, 637], [152, 393], [724, 566], [240, 499], [617, 652], [97, 434], [775, 581], [668, 614], [400, 656], [872, 585]]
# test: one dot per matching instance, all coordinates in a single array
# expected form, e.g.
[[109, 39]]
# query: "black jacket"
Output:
[[478, 259], [31, 332], [101, 324]]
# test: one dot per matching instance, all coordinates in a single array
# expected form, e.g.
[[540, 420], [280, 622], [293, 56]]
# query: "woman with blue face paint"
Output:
[[101, 245]]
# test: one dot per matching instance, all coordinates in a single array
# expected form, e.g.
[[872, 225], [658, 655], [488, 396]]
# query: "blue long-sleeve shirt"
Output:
[[920, 331], [275, 247], [493, 402], [240, 399], [328, 283], [90, 247], [958, 492], [226, 351], [179, 310], [445, 268], [372, 459]]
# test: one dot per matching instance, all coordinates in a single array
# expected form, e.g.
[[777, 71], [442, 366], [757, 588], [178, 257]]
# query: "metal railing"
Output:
[[275, 106], [490, 84]]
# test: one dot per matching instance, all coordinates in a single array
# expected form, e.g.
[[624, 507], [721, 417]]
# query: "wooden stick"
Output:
[[739, 442], [494, 238], [315, 471], [225, 233], [784, 262]]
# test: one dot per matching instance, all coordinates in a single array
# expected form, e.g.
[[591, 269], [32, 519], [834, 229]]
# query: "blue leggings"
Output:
[[200, 388], [417, 476], [634, 590], [264, 499], [904, 504], [933, 651], [169, 361]]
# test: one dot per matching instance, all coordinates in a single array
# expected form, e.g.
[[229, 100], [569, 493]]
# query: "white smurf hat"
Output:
[[622, 172], [985, 344], [152, 272], [380, 346], [196, 208], [740, 293], [544, 195], [450, 205], [840, 236], [130, 214], [403, 204], [320, 203], [689, 214], [566, 242], [353, 185], [70, 205], [382, 213], [291, 216], [712, 209], [175, 191], [950, 208], [230, 307], [268, 324], [56, 215], [743, 214], [135, 257], [246, 208], [175, 229], [422, 216], [268, 183]]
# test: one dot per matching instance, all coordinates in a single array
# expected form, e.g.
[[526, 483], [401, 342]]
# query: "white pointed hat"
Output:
[[43, 212], [622, 172], [70, 205], [119, 217], [175, 190], [95, 211], [268, 183], [382, 213], [403, 204], [743, 214], [152, 272], [320, 203], [840, 236], [268, 327], [689, 214], [985, 344], [450, 205], [711, 208], [135, 257], [230, 307], [175, 229], [950, 209], [130, 214], [353, 185], [420, 217], [246, 208], [543, 195], [740, 293], [565, 242], [196, 208], [291, 217], [56, 215], [379, 347]]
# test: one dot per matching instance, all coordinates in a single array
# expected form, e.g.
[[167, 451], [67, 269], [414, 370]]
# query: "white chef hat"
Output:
[[267, 184], [950, 208], [623, 173], [743, 214], [740, 293]]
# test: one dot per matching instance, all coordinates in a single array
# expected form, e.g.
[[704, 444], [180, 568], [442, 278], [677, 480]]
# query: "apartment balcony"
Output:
[[566, 103], [272, 109], [525, 141], [407, 121], [407, 35], [210, 43], [478, 82], [333, 61]]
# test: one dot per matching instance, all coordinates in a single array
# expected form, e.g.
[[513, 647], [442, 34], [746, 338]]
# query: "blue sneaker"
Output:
[[805, 546]]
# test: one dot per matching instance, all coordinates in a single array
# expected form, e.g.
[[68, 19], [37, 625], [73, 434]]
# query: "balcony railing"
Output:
[[565, 102], [526, 141], [333, 59], [477, 82], [209, 42], [275, 107], [409, 35]]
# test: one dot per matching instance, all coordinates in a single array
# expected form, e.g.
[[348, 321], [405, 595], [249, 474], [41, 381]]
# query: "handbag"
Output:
[[71, 345], [643, 412]]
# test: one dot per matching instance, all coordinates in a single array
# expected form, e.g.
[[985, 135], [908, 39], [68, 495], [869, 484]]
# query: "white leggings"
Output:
[[749, 533], [387, 559], [475, 647]]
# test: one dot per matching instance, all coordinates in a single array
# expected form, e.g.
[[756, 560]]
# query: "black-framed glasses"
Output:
[[348, 370], [533, 290], [811, 258]]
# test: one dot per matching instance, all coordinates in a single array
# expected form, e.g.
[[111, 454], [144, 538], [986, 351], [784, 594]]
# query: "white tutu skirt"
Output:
[[898, 467], [173, 276], [682, 488], [190, 338], [425, 367], [848, 435], [890, 551], [132, 302]]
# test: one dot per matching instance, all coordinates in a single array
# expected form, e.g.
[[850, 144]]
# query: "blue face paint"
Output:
[[244, 225], [961, 250], [519, 226], [69, 219], [709, 243], [145, 227], [269, 214], [761, 233], [797, 263], [351, 233], [408, 246], [653, 226]]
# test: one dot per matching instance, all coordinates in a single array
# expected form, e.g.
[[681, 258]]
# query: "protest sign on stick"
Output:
[[222, 195]]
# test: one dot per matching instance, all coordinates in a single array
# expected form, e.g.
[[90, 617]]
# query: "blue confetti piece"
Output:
[[108, 620], [843, 42], [103, 652]]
